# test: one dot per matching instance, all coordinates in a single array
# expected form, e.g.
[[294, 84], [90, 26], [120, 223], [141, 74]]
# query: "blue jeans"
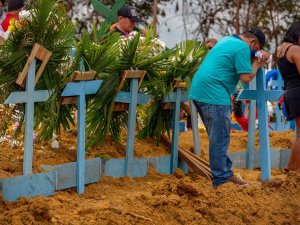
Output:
[[217, 121]]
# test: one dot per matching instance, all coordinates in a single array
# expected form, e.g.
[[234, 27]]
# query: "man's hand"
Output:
[[257, 63], [265, 56]]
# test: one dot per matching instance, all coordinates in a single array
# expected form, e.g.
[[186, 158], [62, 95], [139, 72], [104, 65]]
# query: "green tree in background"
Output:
[[230, 16], [202, 19]]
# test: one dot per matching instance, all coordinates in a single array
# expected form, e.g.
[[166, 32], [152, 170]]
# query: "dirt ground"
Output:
[[155, 199]]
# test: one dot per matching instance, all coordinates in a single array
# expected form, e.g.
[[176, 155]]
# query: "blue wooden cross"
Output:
[[111, 15], [81, 89], [133, 98], [278, 84], [175, 97], [138, 167], [262, 96], [194, 120], [175, 131], [29, 97], [251, 129]]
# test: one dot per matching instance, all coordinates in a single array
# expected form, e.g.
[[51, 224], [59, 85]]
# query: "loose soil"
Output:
[[156, 198]]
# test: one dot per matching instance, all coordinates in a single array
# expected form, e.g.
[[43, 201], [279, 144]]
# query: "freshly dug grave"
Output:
[[155, 199]]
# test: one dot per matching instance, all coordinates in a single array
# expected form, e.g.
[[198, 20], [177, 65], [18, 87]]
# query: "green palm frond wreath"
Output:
[[182, 65], [48, 25], [120, 54]]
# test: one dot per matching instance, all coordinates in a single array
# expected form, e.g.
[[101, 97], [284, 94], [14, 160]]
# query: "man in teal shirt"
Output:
[[216, 79]]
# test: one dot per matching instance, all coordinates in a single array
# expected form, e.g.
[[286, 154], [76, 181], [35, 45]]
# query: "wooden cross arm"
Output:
[[179, 83], [86, 75], [131, 74], [77, 76], [40, 53]]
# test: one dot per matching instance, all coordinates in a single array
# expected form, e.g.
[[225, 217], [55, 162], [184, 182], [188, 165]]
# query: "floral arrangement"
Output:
[[157, 45]]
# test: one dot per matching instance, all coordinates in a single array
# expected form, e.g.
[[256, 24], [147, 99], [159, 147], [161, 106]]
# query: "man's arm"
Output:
[[247, 77]]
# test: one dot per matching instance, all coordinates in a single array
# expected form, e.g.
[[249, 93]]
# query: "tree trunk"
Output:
[[247, 18], [237, 16], [155, 12], [275, 32], [70, 7]]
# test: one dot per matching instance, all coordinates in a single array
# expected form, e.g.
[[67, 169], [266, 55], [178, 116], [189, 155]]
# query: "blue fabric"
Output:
[[217, 121], [271, 74], [284, 112], [218, 75], [252, 53]]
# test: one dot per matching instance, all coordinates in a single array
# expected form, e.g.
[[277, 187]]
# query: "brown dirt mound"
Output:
[[162, 199], [155, 199]]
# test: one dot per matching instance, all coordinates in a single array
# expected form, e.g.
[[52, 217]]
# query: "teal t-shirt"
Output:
[[218, 75]]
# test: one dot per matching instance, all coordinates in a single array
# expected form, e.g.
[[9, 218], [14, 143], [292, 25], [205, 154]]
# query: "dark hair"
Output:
[[258, 34], [249, 35], [293, 33], [13, 5]]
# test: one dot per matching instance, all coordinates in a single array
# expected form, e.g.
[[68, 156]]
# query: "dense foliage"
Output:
[[202, 19], [48, 26], [108, 55]]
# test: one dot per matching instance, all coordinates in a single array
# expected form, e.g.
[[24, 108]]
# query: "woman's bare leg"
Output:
[[294, 161]]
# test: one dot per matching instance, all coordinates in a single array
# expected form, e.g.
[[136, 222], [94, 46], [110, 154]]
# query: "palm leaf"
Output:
[[120, 54], [49, 27], [182, 64]]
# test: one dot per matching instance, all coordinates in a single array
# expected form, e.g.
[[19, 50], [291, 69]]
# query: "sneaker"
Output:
[[238, 181]]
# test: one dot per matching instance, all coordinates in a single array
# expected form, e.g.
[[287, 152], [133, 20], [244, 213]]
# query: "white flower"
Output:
[[160, 43], [54, 144], [25, 14], [133, 33], [155, 45], [3, 34]]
